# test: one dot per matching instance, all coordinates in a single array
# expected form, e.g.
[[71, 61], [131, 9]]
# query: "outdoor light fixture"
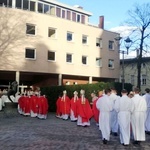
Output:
[[128, 43]]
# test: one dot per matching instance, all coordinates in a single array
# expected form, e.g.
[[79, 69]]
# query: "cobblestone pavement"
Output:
[[25, 133]]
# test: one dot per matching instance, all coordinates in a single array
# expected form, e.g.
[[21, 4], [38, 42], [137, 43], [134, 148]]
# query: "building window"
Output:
[[143, 65], [143, 79], [52, 10], [30, 53], [83, 19], [51, 56], [18, 3], [69, 36], [98, 62], [132, 79], [99, 42], [73, 16], [63, 14], [84, 60], [111, 63], [32, 6], [78, 18], [111, 45], [68, 15], [25, 4], [46, 9], [84, 39], [132, 66], [69, 58], [51, 32], [30, 29], [58, 12], [40, 8]]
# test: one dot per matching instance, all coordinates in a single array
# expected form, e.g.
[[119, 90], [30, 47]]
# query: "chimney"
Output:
[[101, 22]]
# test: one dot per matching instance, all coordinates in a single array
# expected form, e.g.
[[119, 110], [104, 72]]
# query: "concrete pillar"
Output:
[[13, 3], [90, 79], [18, 78], [60, 79]]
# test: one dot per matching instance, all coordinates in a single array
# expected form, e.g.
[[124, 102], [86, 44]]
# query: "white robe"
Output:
[[147, 121], [138, 117], [124, 107], [105, 106], [113, 116], [1, 104]]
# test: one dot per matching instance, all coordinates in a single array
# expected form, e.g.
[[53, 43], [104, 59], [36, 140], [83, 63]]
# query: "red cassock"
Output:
[[73, 106], [20, 102], [34, 104], [84, 110], [65, 105], [26, 102], [42, 105], [58, 106], [96, 112]]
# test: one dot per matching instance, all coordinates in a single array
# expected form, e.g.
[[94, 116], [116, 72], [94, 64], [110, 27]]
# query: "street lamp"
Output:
[[127, 43]]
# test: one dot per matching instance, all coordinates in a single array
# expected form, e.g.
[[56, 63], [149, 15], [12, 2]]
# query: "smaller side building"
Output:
[[131, 72]]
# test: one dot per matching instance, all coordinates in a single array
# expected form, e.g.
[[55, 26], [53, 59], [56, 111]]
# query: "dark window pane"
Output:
[[3, 2], [30, 29], [46, 9], [51, 55], [29, 53], [40, 7], [25, 4], [32, 6], [18, 3], [10, 3]]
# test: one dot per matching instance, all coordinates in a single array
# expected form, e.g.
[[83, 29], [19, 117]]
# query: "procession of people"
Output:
[[126, 116]]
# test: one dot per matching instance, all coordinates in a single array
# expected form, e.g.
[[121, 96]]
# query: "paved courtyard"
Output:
[[25, 133]]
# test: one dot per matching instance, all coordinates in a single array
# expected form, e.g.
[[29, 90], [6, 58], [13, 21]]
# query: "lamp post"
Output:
[[127, 43]]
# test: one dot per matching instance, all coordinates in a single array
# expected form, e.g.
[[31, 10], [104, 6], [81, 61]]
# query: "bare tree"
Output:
[[140, 18]]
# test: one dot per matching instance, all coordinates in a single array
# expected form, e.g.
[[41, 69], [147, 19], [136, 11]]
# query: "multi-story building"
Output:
[[131, 72], [45, 42]]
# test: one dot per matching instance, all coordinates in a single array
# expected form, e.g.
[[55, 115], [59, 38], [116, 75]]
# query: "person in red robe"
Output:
[[65, 106], [26, 103], [96, 112], [58, 107], [73, 107], [21, 104], [34, 104], [84, 110], [42, 107]]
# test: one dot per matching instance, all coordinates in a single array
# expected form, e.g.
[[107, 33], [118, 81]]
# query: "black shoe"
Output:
[[104, 141], [125, 144], [115, 134], [136, 142]]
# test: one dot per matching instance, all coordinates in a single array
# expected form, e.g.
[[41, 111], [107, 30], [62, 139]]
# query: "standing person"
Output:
[[65, 106], [73, 107], [104, 105], [58, 106], [42, 107], [147, 122], [84, 110], [114, 118], [124, 107], [138, 117], [96, 112]]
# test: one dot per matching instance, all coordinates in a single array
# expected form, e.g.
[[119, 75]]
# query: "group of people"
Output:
[[77, 108], [126, 115], [33, 104]]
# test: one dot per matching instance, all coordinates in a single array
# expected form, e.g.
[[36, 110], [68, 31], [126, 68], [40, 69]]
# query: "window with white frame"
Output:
[[73, 16], [84, 39], [69, 58], [111, 63], [143, 65], [143, 79], [83, 19], [68, 15], [51, 32], [30, 53], [46, 9], [98, 62], [98, 42], [52, 10], [78, 18], [40, 7], [69, 36], [132, 79], [111, 45], [51, 56], [30, 29], [84, 60], [63, 13], [58, 12], [32, 6]]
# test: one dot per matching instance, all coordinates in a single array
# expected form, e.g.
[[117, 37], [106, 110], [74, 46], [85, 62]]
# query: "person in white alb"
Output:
[[104, 105], [124, 107], [138, 117], [147, 122]]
